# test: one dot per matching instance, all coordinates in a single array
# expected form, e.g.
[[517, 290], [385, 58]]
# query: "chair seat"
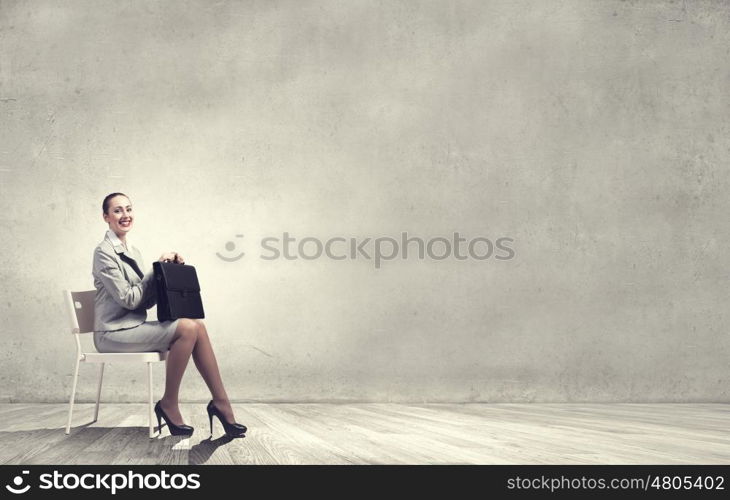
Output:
[[109, 357]]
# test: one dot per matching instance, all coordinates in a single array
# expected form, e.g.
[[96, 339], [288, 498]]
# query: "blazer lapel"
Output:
[[133, 263], [126, 257]]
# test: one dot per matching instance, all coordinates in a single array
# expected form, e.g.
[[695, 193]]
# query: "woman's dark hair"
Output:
[[105, 203]]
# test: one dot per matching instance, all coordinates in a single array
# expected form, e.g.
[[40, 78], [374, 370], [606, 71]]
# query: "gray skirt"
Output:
[[147, 337]]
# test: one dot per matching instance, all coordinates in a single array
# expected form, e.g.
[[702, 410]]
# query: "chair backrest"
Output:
[[80, 307]]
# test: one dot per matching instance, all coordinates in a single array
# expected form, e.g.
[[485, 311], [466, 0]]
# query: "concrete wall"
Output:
[[593, 133]]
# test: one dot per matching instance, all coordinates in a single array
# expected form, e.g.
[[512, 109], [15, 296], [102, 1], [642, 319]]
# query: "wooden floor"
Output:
[[379, 433]]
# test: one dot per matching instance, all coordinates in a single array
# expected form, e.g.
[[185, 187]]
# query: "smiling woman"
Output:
[[120, 217], [123, 295]]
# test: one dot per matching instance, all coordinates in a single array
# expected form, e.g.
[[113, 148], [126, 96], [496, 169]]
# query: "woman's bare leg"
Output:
[[207, 365], [183, 342]]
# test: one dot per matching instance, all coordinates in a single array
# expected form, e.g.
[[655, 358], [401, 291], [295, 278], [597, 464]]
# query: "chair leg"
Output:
[[149, 397], [98, 391], [73, 395]]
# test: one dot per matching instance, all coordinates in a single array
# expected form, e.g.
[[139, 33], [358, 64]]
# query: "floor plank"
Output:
[[375, 433]]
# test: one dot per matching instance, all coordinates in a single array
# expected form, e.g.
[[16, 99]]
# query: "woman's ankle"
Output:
[[168, 402]]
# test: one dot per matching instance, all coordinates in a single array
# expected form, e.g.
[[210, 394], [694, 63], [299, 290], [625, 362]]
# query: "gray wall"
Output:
[[593, 133]]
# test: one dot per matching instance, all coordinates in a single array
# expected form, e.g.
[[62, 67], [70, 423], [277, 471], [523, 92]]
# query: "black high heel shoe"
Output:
[[175, 430], [232, 429]]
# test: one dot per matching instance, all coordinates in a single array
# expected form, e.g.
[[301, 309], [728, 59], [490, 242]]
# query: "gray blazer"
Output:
[[123, 292]]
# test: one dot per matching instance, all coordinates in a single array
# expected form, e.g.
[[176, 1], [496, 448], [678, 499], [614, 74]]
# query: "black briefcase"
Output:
[[178, 291]]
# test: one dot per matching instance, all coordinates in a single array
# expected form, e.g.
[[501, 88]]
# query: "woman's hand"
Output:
[[171, 257]]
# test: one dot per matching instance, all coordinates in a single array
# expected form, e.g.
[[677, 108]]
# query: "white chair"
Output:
[[80, 307]]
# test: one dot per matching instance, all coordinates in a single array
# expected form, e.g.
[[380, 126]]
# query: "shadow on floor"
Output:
[[90, 445], [201, 452]]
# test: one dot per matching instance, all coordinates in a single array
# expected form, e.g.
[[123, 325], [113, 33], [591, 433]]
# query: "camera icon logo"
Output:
[[18, 482]]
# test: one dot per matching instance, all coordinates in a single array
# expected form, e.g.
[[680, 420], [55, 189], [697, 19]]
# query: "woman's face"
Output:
[[119, 216]]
